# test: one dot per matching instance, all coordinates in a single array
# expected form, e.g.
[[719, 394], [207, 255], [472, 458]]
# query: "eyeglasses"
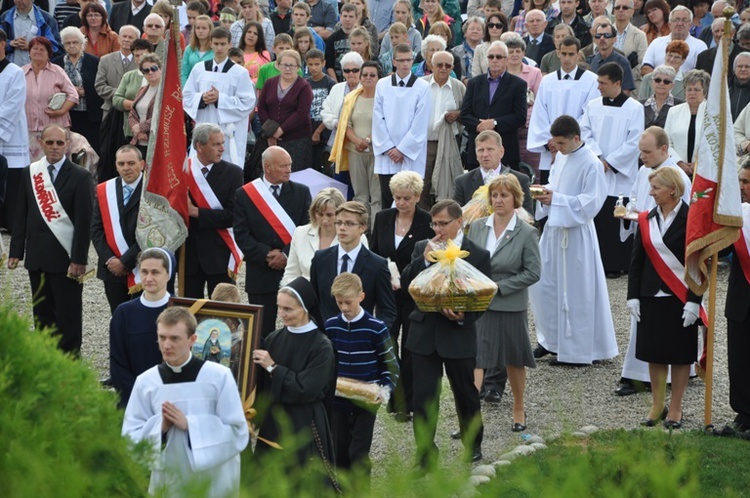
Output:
[[621, 7], [354, 70], [443, 65], [679, 21], [441, 224], [288, 66], [604, 35], [402, 61], [673, 56], [151, 69], [347, 224], [661, 80], [50, 143], [369, 75], [72, 42], [495, 25], [93, 14], [492, 57], [742, 66]]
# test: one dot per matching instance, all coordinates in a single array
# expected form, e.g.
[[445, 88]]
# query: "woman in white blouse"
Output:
[[683, 121]]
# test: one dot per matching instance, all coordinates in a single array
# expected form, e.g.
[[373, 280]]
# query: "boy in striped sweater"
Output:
[[364, 352]]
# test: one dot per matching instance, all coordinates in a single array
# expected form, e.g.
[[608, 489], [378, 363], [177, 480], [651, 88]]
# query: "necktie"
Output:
[[567, 77], [204, 170], [534, 42], [125, 61], [127, 191], [51, 169], [344, 263], [491, 175], [275, 189], [216, 69], [401, 83]]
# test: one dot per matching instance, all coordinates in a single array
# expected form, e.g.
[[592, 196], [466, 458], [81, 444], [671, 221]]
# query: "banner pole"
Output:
[[709, 378]]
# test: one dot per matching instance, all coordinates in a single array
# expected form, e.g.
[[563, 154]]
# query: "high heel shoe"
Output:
[[519, 427], [673, 424], [647, 422]]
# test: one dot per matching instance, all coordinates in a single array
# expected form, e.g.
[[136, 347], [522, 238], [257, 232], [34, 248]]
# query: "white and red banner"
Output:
[[52, 211], [742, 246], [270, 209], [205, 198], [715, 216], [106, 194], [163, 214]]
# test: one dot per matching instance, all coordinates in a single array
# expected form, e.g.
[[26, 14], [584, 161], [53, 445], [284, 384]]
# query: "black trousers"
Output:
[[385, 191], [117, 293], [12, 187], [58, 303], [352, 429], [402, 399], [196, 283], [738, 349], [615, 254], [268, 301], [428, 375], [495, 379]]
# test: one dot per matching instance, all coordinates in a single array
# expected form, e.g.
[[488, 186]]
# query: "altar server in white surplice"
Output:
[[221, 92], [654, 149], [14, 135], [570, 302], [611, 127], [191, 414], [400, 117], [563, 92]]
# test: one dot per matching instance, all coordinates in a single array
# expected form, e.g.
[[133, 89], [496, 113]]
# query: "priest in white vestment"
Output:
[[400, 117], [221, 92], [611, 127], [570, 303], [563, 92], [654, 153], [190, 412]]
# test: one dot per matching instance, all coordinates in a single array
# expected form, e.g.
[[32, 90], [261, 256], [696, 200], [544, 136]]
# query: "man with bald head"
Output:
[[266, 212], [538, 43], [738, 44]]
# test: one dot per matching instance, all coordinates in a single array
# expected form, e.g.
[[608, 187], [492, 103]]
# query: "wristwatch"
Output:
[[271, 368]]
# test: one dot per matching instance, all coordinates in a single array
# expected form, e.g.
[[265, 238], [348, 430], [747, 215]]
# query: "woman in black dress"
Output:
[[394, 235], [666, 310], [299, 372]]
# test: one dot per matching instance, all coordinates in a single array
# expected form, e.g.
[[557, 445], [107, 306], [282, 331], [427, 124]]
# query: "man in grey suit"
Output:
[[113, 66], [489, 148]]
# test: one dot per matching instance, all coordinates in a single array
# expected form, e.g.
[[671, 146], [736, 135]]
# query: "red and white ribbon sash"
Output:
[[270, 209], [743, 243], [666, 264], [205, 198], [106, 194], [49, 205]]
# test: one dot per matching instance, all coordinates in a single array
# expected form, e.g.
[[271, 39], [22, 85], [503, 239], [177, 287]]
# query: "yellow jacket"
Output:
[[339, 154]]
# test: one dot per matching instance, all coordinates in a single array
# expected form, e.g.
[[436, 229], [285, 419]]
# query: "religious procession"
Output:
[[405, 190]]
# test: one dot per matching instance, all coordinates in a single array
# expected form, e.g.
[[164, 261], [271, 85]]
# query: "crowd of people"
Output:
[[419, 108]]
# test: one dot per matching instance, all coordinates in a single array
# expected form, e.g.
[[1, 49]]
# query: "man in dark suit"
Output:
[[55, 247], [353, 257], [489, 151], [538, 43], [741, 44], [212, 186], [116, 263], [569, 16], [266, 212], [132, 12], [444, 339], [495, 103]]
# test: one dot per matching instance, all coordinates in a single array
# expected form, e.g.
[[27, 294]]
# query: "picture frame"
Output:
[[236, 329]]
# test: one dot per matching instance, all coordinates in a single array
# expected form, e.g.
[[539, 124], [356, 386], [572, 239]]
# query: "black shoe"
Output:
[[519, 427], [557, 363], [456, 434], [493, 396], [106, 382], [672, 424], [482, 393], [647, 422], [402, 417], [541, 351], [626, 389], [613, 275], [476, 455]]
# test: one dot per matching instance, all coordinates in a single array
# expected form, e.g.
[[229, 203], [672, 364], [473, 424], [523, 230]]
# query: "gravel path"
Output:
[[557, 398]]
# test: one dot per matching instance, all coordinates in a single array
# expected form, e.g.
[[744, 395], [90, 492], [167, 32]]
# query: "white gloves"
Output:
[[385, 395], [634, 306], [690, 313]]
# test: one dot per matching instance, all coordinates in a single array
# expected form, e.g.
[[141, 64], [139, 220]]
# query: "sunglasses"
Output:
[[604, 35], [495, 25], [493, 57], [59, 143], [151, 69], [621, 7], [354, 70], [663, 80], [369, 75], [443, 65]]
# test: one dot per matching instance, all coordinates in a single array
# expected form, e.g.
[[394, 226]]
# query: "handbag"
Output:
[[56, 101]]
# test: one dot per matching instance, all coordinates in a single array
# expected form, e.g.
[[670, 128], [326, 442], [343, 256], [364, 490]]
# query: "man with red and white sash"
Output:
[[267, 210], [51, 233], [211, 253], [737, 312], [113, 227]]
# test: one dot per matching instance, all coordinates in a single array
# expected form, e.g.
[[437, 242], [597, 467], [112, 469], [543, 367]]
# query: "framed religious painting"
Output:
[[227, 333]]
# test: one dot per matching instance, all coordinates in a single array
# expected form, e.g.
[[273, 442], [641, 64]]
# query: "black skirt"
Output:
[[661, 337]]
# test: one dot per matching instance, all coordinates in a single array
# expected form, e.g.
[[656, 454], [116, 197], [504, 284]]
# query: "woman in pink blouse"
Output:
[[533, 78], [253, 45], [43, 80]]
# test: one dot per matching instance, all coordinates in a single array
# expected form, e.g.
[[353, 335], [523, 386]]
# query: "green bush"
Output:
[[60, 432]]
